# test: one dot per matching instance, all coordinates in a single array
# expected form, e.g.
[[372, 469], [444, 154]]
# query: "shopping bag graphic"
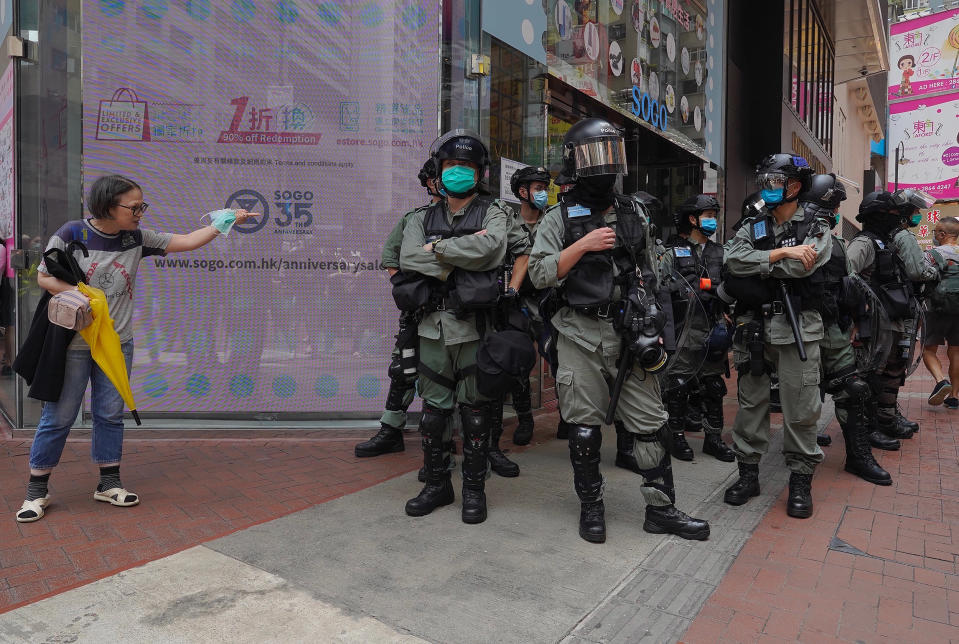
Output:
[[123, 118]]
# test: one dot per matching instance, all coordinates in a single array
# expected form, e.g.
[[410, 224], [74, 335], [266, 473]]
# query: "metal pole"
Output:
[[896, 171]]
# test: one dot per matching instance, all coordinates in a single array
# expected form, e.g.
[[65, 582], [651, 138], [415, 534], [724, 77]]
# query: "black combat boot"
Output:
[[799, 503], [694, 416], [476, 438], [585, 442], [746, 487], [666, 519], [523, 406], [625, 458], [592, 522], [562, 430], [887, 422], [386, 441], [876, 438], [677, 404], [859, 458], [714, 446], [713, 425], [438, 490], [497, 459], [904, 423]]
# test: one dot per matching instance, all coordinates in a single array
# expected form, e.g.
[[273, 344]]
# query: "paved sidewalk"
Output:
[[872, 564], [192, 491]]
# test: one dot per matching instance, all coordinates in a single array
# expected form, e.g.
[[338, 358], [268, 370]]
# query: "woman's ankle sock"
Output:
[[109, 478], [37, 487]]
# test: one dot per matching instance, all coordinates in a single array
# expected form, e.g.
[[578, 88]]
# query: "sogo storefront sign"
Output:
[[644, 107]]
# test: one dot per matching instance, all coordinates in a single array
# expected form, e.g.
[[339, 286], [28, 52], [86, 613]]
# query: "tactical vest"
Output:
[[888, 278], [835, 269], [808, 289], [693, 265], [592, 281], [463, 290]]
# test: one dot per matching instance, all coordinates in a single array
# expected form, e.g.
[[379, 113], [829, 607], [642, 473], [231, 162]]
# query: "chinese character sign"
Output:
[[317, 116], [924, 55], [928, 129]]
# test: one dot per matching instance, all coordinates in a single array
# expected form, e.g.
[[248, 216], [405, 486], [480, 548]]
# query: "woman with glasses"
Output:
[[116, 244]]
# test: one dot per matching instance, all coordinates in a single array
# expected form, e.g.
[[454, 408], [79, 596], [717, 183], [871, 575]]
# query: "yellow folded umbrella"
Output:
[[105, 346]]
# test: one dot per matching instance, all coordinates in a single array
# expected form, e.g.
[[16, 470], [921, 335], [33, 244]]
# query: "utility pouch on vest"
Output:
[[411, 291], [503, 361], [593, 282], [895, 299], [474, 290]]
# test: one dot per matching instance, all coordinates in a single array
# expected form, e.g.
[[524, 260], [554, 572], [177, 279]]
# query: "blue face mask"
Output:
[[915, 219], [459, 179], [708, 226], [835, 220], [772, 197], [222, 220], [540, 198]]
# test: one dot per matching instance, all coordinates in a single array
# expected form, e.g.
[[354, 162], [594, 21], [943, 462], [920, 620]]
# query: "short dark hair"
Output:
[[104, 193], [950, 225], [909, 57]]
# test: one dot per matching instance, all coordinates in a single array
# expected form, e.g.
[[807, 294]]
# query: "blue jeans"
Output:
[[57, 417]]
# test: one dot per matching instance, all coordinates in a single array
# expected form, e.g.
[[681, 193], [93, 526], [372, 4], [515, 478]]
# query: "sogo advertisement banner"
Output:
[[928, 129], [318, 116], [924, 53]]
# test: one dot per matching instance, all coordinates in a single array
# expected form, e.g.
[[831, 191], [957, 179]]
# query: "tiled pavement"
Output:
[[872, 564], [192, 490]]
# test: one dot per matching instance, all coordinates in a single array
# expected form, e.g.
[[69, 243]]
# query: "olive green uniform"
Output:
[[798, 380], [588, 350], [448, 343]]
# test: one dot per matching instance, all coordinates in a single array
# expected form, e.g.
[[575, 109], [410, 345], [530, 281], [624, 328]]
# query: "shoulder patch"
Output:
[[880, 243], [759, 229], [682, 252], [578, 211]]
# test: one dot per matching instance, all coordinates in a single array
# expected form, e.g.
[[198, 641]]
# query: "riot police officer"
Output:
[[696, 262], [772, 265], [402, 381], [841, 378], [590, 246], [529, 185], [454, 252], [888, 257]]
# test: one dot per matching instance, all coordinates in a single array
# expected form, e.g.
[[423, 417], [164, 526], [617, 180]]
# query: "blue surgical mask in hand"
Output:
[[708, 226], [222, 220], [540, 198]]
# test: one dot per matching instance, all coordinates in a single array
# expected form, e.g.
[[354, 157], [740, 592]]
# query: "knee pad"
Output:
[[475, 419], [858, 390], [713, 387], [585, 440], [433, 422], [835, 382]]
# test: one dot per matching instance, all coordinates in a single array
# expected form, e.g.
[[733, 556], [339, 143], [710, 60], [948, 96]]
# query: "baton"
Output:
[[793, 322]]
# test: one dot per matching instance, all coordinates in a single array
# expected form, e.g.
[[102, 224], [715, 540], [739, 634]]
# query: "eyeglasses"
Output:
[[771, 180], [139, 208]]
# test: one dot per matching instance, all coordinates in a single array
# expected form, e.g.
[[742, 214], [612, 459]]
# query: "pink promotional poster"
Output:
[[924, 55], [317, 116], [928, 129]]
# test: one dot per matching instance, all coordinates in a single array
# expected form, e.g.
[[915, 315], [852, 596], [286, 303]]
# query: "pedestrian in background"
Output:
[[943, 317], [116, 244]]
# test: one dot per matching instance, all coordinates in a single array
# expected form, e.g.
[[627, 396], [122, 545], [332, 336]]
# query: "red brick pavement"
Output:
[[192, 490], [788, 584]]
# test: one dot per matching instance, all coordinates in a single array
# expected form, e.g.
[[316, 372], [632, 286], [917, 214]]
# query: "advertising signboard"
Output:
[[928, 129], [924, 56], [317, 116]]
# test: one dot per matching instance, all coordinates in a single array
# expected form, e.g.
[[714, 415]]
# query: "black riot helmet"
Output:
[[526, 176], [427, 172], [693, 207], [911, 201], [880, 212], [462, 145], [773, 173], [592, 147], [825, 191]]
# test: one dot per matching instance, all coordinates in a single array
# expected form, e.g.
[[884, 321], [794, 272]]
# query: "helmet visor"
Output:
[[600, 155], [915, 198], [771, 180]]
